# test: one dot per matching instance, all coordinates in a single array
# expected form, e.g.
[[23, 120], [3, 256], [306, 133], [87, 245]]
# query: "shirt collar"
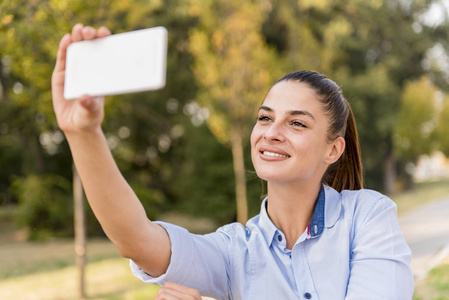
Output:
[[326, 213], [316, 225], [265, 225], [332, 208]]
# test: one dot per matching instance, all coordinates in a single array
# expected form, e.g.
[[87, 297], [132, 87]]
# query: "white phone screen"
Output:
[[118, 64]]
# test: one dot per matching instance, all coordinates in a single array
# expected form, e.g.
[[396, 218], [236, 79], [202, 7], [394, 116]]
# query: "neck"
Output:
[[291, 208]]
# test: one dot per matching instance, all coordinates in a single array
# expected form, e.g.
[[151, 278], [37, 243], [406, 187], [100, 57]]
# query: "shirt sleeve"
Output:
[[200, 262], [380, 258]]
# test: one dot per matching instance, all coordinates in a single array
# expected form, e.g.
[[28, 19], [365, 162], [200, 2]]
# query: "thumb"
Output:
[[89, 112]]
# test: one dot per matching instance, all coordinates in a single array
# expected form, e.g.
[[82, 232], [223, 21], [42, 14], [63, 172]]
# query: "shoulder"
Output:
[[236, 229], [365, 206], [232, 229], [366, 199], [237, 234], [361, 205]]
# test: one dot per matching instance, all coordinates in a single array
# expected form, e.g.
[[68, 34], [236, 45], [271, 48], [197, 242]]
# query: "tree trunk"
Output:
[[3, 85], [80, 232], [239, 173], [389, 168]]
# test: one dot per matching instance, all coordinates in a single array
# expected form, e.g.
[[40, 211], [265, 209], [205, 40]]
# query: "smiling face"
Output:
[[289, 142]]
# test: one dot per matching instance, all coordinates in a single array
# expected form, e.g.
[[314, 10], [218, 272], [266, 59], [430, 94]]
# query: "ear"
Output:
[[336, 149]]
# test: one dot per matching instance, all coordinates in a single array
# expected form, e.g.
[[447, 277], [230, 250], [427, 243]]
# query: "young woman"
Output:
[[319, 235]]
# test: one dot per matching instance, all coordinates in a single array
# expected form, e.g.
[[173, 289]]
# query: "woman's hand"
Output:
[[174, 291], [85, 113]]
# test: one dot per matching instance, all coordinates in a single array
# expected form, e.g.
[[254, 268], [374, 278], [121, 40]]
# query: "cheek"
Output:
[[255, 136], [313, 149], [307, 146]]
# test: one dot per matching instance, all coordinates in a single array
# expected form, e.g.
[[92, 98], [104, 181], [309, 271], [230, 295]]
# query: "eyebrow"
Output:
[[292, 112]]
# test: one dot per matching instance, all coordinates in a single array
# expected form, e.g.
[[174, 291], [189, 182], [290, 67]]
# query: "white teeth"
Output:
[[274, 154]]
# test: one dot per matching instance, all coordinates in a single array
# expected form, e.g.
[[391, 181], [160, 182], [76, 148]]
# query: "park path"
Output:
[[427, 232]]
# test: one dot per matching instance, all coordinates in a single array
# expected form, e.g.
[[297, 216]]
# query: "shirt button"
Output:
[[307, 296], [280, 238]]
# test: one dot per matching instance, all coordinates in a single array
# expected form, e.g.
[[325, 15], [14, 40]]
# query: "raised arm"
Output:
[[114, 203]]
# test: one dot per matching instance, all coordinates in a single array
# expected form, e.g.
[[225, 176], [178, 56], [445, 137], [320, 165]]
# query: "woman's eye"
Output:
[[264, 118], [298, 124]]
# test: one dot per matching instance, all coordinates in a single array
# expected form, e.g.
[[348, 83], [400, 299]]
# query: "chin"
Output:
[[270, 176]]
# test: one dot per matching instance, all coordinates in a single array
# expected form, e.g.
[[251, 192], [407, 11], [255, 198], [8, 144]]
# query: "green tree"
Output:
[[44, 205], [233, 68], [147, 132], [139, 126], [416, 119], [442, 128], [416, 122]]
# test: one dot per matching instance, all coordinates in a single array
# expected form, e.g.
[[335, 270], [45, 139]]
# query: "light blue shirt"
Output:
[[352, 249]]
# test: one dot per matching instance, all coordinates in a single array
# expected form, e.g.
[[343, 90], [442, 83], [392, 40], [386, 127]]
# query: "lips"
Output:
[[273, 152], [267, 153]]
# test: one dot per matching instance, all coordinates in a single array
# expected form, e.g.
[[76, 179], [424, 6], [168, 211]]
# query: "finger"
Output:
[[103, 32], [88, 33], [76, 32], [91, 104], [61, 55], [89, 112], [87, 102], [166, 294]]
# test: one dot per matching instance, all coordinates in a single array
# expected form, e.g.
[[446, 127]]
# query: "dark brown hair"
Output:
[[347, 172]]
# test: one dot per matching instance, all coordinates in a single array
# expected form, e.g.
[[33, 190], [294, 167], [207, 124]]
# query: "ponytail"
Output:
[[347, 172]]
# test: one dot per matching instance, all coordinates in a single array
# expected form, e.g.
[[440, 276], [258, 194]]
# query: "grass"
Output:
[[107, 279], [24, 258], [47, 271], [436, 285]]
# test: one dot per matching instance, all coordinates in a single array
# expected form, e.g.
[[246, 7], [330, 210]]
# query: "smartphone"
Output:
[[123, 63]]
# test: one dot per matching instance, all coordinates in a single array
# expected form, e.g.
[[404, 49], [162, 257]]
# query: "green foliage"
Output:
[[435, 286], [234, 68], [233, 65], [139, 127], [222, 55], [416, 119], [44, 205], [442, 128], [440, 278], [204, 188], [151, 199]]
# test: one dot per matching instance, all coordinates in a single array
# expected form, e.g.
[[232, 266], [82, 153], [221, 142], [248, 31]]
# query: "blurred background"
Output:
[[185, 149]]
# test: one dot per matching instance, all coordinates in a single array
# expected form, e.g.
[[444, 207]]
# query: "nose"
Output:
[[274, 133]]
